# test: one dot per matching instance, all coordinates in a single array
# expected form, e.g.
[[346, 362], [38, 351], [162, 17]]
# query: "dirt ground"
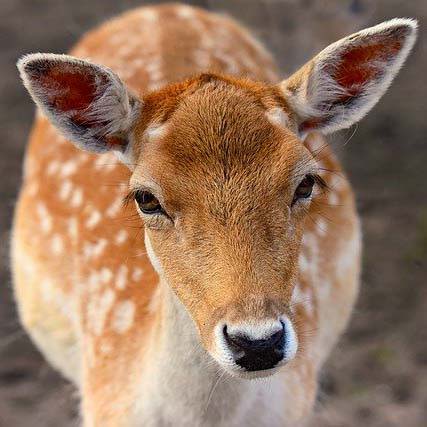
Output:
[[377, 376]]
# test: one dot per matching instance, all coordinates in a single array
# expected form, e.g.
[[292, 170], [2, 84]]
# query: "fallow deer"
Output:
[[250, 266]]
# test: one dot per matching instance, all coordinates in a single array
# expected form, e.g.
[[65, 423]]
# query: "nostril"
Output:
[[239, 342], [278, 337], [235, 340], [224, 331]]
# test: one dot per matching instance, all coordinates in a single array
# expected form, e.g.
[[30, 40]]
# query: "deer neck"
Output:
[[183, 385]]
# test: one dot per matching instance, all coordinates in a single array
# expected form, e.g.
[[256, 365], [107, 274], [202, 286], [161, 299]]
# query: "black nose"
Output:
[[257, 354]]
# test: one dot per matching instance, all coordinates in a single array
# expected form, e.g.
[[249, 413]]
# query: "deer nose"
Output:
[[254, 353]]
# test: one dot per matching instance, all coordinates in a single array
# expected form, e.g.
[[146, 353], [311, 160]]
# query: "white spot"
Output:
[[121, 277], [106, 347], [94, 250], [121, 237], [60, 139], [125, 50], [137, 274], [83, 157], [277, 117], [57, 244], [322, 227], [93, 219], [94, 282], [155, 65], [349, 255], [45, 218], [77, 198], [185, 12], [33, 188], [154, 132], [65, 190], [154, 70], [106, 162], [68, 168], [138, 63], [53, 167], [303, 262], [98, 309], [150, 15], [123, 316], [114, 208], [302, 298], [73, 228], [106, 275], [99, 247]]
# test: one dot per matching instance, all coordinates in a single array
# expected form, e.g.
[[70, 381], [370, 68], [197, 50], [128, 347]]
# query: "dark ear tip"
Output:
[[33, 64], [404, 27]]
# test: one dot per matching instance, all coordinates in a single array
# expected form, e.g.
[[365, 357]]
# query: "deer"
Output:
[[193, 256]]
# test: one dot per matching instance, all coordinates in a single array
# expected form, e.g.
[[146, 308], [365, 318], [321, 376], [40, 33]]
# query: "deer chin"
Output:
[[240, 373]]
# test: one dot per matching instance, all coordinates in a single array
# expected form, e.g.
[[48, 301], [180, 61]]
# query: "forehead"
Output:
[[222, 135]]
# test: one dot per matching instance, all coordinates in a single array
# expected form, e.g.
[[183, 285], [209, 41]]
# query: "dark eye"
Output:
[[304, 189], [148, 203]]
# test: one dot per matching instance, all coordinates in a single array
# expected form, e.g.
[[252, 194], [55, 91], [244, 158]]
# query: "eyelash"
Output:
[[317, 180]]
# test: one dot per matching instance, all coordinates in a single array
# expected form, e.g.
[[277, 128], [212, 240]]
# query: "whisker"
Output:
[[356, 126], [213, 390]]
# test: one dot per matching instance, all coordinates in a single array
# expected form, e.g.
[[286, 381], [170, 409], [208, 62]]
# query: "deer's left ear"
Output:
[[88, 103], [344, 81]]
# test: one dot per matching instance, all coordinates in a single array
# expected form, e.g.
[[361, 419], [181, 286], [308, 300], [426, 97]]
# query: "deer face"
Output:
[[223, 186], [221, 176]]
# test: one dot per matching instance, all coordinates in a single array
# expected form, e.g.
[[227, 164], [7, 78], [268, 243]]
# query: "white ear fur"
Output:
[[324, 103], [88, 103]]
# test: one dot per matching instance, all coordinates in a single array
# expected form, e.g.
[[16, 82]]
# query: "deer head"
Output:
[[222, 177]]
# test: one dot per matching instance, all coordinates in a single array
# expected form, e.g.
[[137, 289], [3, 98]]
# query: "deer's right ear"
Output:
[[88, 103]]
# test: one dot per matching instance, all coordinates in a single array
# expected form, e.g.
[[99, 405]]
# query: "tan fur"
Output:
[[225, 162]]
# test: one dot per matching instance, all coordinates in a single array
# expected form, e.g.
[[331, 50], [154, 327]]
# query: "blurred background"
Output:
[[378, 374]]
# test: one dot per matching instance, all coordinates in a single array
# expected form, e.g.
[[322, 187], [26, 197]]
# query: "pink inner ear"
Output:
[[73, 92], [69, 91], [357, 67], [362, 64]]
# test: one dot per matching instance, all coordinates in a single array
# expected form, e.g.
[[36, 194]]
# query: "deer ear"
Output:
[[344, 81], [88, 103]]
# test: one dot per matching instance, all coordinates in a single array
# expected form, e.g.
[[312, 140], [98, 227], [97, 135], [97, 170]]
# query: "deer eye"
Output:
[[304, 189], [148, 203]]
